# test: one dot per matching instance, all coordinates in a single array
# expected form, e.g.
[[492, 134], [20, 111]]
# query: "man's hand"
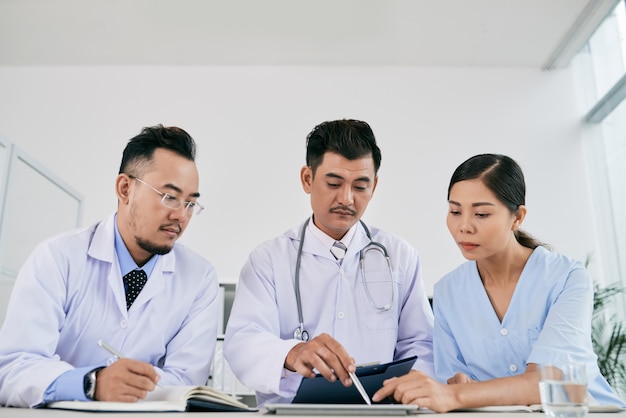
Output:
[[126, 380], [325, 354]]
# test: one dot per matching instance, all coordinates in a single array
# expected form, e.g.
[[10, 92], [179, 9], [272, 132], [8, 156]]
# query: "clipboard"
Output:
[[318, 390]]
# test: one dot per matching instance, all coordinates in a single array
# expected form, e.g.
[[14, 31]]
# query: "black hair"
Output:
[[349, 138], [140, 148], [504, 177]]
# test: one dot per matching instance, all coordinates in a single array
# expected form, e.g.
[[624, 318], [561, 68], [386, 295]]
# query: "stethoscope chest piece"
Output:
[[301, 334]]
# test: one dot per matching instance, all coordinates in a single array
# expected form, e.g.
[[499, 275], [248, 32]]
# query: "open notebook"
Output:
[[164, 399]]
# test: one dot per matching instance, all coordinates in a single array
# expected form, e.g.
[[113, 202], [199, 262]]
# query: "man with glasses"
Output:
[[124, 283]]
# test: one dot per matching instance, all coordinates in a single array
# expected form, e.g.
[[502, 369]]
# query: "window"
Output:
[[25, 216], [600, 70]]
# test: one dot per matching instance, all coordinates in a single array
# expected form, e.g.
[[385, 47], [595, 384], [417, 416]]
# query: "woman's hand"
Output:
[[460, 378], [419, 389]]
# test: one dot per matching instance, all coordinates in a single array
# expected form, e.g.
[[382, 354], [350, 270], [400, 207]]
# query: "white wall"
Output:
[[250, 124]]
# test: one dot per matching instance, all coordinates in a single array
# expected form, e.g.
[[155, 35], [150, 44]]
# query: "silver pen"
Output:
[[110, 349], [113, 351], [359, 387]]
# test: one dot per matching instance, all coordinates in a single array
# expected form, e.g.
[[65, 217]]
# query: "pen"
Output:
[[360, 388], [110, 349], [113, 351]]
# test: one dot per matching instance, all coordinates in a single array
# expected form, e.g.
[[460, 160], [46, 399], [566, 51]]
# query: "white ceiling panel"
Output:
[[486, 33]]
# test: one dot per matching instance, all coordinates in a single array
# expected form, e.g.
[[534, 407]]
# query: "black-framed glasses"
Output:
[[173, 202]]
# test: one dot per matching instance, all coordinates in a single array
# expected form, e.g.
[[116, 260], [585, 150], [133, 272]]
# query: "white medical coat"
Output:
[[264, 314], [69, 294]]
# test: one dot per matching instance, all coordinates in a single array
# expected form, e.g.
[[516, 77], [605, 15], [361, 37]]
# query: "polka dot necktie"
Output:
[[134, 282], [338, 250]]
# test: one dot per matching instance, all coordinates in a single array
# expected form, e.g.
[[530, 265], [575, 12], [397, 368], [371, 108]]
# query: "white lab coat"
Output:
[[69, 294], [264, 314]]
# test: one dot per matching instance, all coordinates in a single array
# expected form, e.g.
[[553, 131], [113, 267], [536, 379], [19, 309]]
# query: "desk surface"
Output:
[[51, 413]]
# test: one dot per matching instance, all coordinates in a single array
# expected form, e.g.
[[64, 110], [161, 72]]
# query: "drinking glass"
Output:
[[563, 390]]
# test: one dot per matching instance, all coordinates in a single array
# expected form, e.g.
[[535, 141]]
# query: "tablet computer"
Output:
[[340, 409], [318, 390]]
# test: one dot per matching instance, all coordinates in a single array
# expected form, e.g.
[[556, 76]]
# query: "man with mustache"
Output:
[[123, 280], [302, 307]]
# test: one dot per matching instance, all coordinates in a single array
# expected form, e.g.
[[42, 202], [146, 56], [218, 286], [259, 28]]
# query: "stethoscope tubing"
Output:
[[300, 333]]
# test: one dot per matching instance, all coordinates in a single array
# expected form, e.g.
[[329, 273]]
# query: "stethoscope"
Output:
[[300, 333]]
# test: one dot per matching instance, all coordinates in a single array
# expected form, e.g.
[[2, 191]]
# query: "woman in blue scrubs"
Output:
[[513, 305]]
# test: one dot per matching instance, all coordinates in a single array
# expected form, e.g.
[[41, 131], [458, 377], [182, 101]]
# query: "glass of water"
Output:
[[563, 390]]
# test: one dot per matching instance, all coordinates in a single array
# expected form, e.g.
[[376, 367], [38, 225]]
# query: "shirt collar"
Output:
[[327, 240], [126, 261]]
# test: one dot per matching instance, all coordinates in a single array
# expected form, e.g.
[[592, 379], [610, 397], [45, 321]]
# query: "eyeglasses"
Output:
[[172, 202]]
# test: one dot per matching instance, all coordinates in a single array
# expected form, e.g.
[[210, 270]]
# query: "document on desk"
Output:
[[537, 408], [318, 390], [502, 408]]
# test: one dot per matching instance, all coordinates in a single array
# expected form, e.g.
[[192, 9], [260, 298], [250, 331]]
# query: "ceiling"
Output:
[[481, 33]]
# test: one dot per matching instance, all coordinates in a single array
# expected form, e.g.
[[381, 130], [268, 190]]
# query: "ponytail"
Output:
[[528, 241]]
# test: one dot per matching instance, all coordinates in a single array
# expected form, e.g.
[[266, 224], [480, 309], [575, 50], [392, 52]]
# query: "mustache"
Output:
[[343, 209]]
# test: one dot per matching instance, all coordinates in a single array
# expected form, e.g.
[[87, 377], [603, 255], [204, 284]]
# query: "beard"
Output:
[[153, 248]]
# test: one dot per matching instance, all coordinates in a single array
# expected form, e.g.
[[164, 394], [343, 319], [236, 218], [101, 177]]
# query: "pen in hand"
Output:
[[110, 349], [360, 388], [116, 353]]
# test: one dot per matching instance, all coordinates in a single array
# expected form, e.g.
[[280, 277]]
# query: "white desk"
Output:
[[50, 413]]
